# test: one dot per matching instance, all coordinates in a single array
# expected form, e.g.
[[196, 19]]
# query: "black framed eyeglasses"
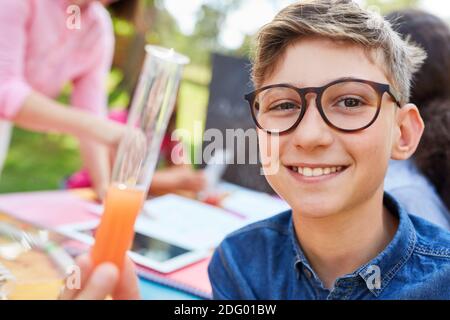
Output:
[[346, 104]]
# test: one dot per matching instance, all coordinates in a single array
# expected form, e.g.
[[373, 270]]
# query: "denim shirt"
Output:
[[265, 261]]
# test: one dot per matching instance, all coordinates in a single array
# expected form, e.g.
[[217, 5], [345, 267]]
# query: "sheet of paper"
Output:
[[253, 205], [185, 221]]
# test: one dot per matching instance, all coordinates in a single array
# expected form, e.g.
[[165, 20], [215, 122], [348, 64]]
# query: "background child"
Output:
[[422, 184]]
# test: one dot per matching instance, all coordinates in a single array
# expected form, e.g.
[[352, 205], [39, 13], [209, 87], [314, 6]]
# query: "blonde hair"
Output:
[[340, 20]]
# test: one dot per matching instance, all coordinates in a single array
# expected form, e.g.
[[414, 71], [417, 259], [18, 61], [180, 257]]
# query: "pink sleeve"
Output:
[[13, 35], [89, 88]]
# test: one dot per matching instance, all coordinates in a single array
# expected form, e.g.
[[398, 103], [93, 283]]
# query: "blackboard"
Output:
[[227, 109]]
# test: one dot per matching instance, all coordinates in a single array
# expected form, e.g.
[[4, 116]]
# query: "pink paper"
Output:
[[194, 277], [47, 208]]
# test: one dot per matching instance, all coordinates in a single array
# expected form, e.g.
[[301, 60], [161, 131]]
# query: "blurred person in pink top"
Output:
[[42, 49]]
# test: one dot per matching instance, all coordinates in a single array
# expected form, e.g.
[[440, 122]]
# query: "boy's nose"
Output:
[[312, 131]]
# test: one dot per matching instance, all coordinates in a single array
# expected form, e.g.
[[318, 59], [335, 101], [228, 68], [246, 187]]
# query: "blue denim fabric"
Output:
[[265, 261]]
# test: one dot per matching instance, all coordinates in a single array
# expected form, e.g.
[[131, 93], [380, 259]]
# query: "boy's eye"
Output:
[[350, 102], [284, 106]]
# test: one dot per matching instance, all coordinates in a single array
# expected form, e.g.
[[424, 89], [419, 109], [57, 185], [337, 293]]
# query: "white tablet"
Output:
[[147, 250]]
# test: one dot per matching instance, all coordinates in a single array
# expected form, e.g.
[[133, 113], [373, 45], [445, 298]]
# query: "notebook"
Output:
[[192, 279]]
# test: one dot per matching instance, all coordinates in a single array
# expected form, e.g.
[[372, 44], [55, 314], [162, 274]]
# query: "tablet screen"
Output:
[[155, 249]]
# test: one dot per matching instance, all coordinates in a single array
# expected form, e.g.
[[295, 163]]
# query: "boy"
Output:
[[332, 85]]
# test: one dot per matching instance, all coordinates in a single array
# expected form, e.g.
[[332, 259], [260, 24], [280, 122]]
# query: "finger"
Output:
[[100, 191], [199, 183], [127, 287], [201, 177], [84, 264], [102, 282], [67, 294], [196, 187], [112, 155]]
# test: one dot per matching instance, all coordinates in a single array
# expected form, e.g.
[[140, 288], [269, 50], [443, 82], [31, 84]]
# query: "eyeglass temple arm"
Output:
[[394, 95]]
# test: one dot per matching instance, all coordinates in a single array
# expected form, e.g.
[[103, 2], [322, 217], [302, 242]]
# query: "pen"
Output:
[[59, 256]]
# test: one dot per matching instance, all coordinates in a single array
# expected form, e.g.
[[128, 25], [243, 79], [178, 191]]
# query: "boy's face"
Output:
[[362, 155]]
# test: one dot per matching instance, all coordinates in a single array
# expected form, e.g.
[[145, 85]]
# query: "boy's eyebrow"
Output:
[[299, 84]]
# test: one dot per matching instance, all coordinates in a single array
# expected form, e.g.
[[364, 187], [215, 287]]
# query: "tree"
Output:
[[210, 20]]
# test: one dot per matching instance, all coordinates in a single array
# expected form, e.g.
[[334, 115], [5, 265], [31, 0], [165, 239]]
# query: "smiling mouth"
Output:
[[317, 171]]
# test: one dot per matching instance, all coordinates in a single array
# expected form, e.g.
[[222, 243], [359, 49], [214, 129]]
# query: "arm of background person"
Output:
[[40, 113], [13, 87], [90, 93], [32, 110]]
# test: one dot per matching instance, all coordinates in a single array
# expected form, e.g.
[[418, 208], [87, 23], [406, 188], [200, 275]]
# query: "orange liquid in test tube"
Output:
[[115, 233]]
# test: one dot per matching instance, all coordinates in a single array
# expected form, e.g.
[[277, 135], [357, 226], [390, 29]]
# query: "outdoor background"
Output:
[[193, 27]]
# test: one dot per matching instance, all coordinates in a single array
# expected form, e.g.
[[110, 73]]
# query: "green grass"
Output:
[[193, 102], [38, 161]]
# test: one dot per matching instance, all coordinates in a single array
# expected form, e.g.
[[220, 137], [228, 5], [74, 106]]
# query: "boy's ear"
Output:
[[409, 130]]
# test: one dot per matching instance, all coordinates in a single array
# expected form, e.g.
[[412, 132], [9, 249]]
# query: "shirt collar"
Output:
[[379, 271]]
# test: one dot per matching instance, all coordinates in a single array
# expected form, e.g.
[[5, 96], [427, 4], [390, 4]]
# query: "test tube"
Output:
[[136, 158]]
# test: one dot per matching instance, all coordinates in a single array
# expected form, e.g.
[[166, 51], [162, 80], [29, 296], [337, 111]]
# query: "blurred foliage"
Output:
[[386, 6], [38, 161], [122, 27], [204, 39], [193, 100]]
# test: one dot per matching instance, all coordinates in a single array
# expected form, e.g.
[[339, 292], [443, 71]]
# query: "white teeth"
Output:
[[316, 172], [307, 172]]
